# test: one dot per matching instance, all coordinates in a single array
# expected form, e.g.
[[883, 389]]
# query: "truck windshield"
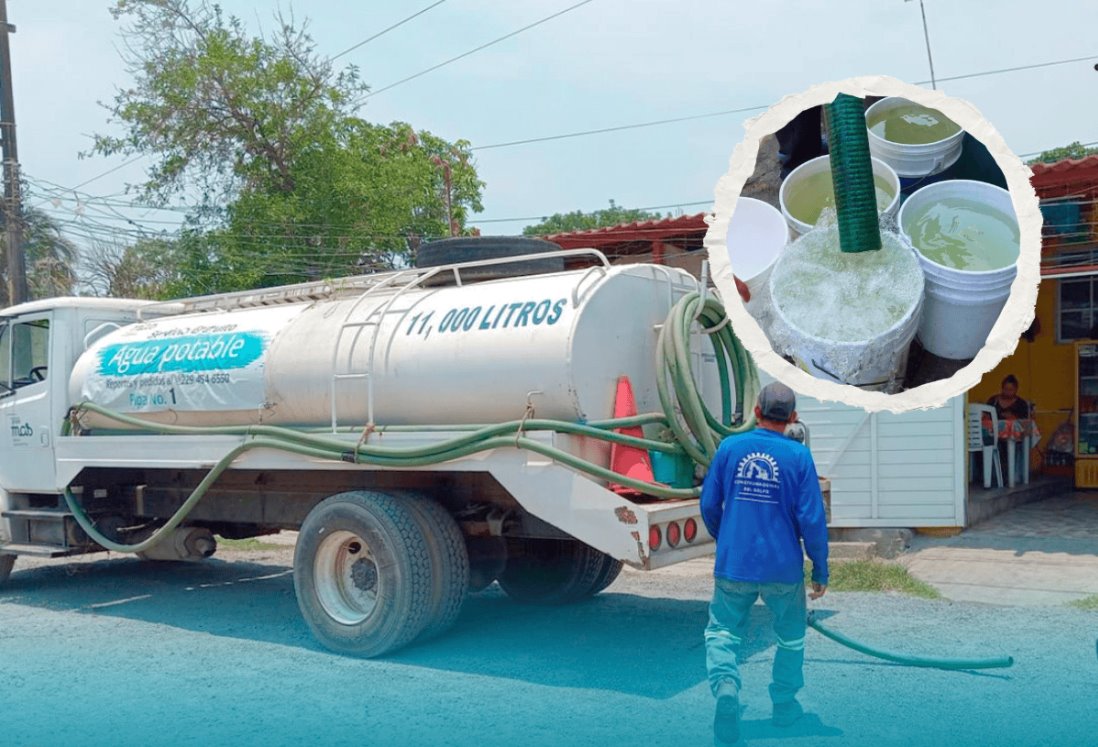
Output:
[[24, 354], [5, 360]]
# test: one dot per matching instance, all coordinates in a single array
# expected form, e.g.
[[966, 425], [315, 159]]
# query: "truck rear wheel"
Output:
[[362, 573], [6, 563], [449, 564], [611, 568], [551, 571]]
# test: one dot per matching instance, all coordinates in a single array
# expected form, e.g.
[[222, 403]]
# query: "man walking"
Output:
[[760, 498]]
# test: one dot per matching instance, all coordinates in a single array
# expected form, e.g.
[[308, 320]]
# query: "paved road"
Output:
[[118, 652]]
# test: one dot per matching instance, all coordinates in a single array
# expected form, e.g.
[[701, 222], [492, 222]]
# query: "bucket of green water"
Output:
[[966, 236], [808, 191], [915, 140]]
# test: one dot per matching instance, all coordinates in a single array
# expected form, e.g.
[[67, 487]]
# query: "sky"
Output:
[[604, 64]]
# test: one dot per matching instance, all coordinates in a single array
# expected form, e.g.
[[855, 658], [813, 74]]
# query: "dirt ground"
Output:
[[113, 651]]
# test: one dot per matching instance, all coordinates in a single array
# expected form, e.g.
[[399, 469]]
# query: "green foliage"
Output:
[[1086, 603], [148, 269], [875, 575], [580, 221], [251, 544], [218, 107], [49, 256], [292, 185], [1074, 150]]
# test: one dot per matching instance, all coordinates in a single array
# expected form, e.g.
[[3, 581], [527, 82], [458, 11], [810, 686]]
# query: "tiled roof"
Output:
[[1070, 176], [648, 230]]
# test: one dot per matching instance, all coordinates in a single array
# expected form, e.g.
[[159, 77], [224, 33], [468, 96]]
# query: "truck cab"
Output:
[[39, 343]]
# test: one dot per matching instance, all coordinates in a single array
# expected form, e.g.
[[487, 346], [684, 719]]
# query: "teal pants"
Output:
[[728, 616]]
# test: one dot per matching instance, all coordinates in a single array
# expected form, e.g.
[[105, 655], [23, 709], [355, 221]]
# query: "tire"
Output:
[[362, 573], [542, 571], [6, 563], [449, 564], [611, 568], [473, 248]]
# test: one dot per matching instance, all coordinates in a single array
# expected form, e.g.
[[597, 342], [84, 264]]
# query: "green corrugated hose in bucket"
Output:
[[852, 175]]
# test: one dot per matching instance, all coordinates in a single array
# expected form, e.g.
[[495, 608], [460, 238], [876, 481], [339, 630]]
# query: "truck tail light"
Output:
[[674, 534], [690, 530], [655, 537]]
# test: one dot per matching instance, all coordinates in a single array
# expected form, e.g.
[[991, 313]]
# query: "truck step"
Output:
[[39, 551], [37, 514]]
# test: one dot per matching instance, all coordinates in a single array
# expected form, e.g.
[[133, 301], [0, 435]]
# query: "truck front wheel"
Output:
[[6, 563], [362, 573], [552, 571]]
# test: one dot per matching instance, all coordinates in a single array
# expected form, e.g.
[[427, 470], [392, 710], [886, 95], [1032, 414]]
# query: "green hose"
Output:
[[696, 430], [998, 662], [852, 175]]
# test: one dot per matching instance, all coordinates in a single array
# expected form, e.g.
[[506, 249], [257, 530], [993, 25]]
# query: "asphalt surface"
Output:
[[119, 652]]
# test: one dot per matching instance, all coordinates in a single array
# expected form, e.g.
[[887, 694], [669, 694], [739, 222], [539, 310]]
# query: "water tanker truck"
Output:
[[534, 418]]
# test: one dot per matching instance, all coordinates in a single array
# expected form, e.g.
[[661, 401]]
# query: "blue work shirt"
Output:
[[760, 497]]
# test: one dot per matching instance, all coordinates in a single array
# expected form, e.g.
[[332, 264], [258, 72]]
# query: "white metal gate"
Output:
[[890, 470]]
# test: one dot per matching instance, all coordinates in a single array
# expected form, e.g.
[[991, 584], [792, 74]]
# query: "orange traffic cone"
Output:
[[631, 461]]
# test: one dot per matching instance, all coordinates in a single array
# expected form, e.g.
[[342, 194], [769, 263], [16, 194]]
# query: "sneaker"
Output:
[[726, 722], [786, 714]]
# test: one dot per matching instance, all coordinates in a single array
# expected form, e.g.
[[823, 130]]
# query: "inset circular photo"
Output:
[[882, 241]]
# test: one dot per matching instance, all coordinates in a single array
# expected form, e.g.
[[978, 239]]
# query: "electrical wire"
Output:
[[473, 51], [385, 31]]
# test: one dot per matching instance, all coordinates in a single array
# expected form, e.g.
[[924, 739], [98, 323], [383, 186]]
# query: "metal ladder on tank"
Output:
[[379, 313]]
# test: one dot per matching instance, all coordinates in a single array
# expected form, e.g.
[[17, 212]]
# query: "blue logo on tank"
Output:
[[217, 352]]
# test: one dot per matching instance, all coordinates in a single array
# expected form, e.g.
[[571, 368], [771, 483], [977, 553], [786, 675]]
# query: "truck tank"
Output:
[[464, 354]]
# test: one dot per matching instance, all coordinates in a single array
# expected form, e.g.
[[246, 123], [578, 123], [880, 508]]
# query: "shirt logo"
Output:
[[757, 478]]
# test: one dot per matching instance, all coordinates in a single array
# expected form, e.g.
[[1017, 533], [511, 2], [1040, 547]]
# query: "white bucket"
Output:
[[961, 306], [879, 363], [912, 160], [757, 233], [823, 163]]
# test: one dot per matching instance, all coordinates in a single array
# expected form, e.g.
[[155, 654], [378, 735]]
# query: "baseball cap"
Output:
[[777, 402]]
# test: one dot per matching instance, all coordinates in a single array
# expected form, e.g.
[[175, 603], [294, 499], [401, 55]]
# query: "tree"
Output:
[[1074, 150], [50, 258], [293, 185], [146, 269], [578, 220]]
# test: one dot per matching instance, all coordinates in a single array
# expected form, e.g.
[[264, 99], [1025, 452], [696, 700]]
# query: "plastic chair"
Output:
[[976, 443]]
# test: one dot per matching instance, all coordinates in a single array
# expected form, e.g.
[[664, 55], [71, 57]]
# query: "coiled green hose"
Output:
[[997, 662], [852, 175], [696, 430]]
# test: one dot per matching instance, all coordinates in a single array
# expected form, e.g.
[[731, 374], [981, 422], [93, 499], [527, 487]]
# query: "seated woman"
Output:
[[1008, 405], [1014, 418]]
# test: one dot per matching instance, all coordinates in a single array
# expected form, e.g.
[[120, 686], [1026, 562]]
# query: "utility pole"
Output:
[[13, 222], [926, 36]]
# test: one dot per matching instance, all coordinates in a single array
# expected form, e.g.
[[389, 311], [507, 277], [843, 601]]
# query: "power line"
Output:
[[726, 112], [1013, 69], [463, 55], [387, 30], [618, 128], [543, 217], [97, 177], [929, 57]]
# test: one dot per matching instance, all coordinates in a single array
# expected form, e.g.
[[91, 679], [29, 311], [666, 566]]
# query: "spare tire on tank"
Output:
[[474, 248]]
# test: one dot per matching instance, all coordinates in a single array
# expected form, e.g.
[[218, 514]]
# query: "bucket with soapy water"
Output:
[[916, 141], [965, 234], [757, 234], [849, 318], [808, 191]]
